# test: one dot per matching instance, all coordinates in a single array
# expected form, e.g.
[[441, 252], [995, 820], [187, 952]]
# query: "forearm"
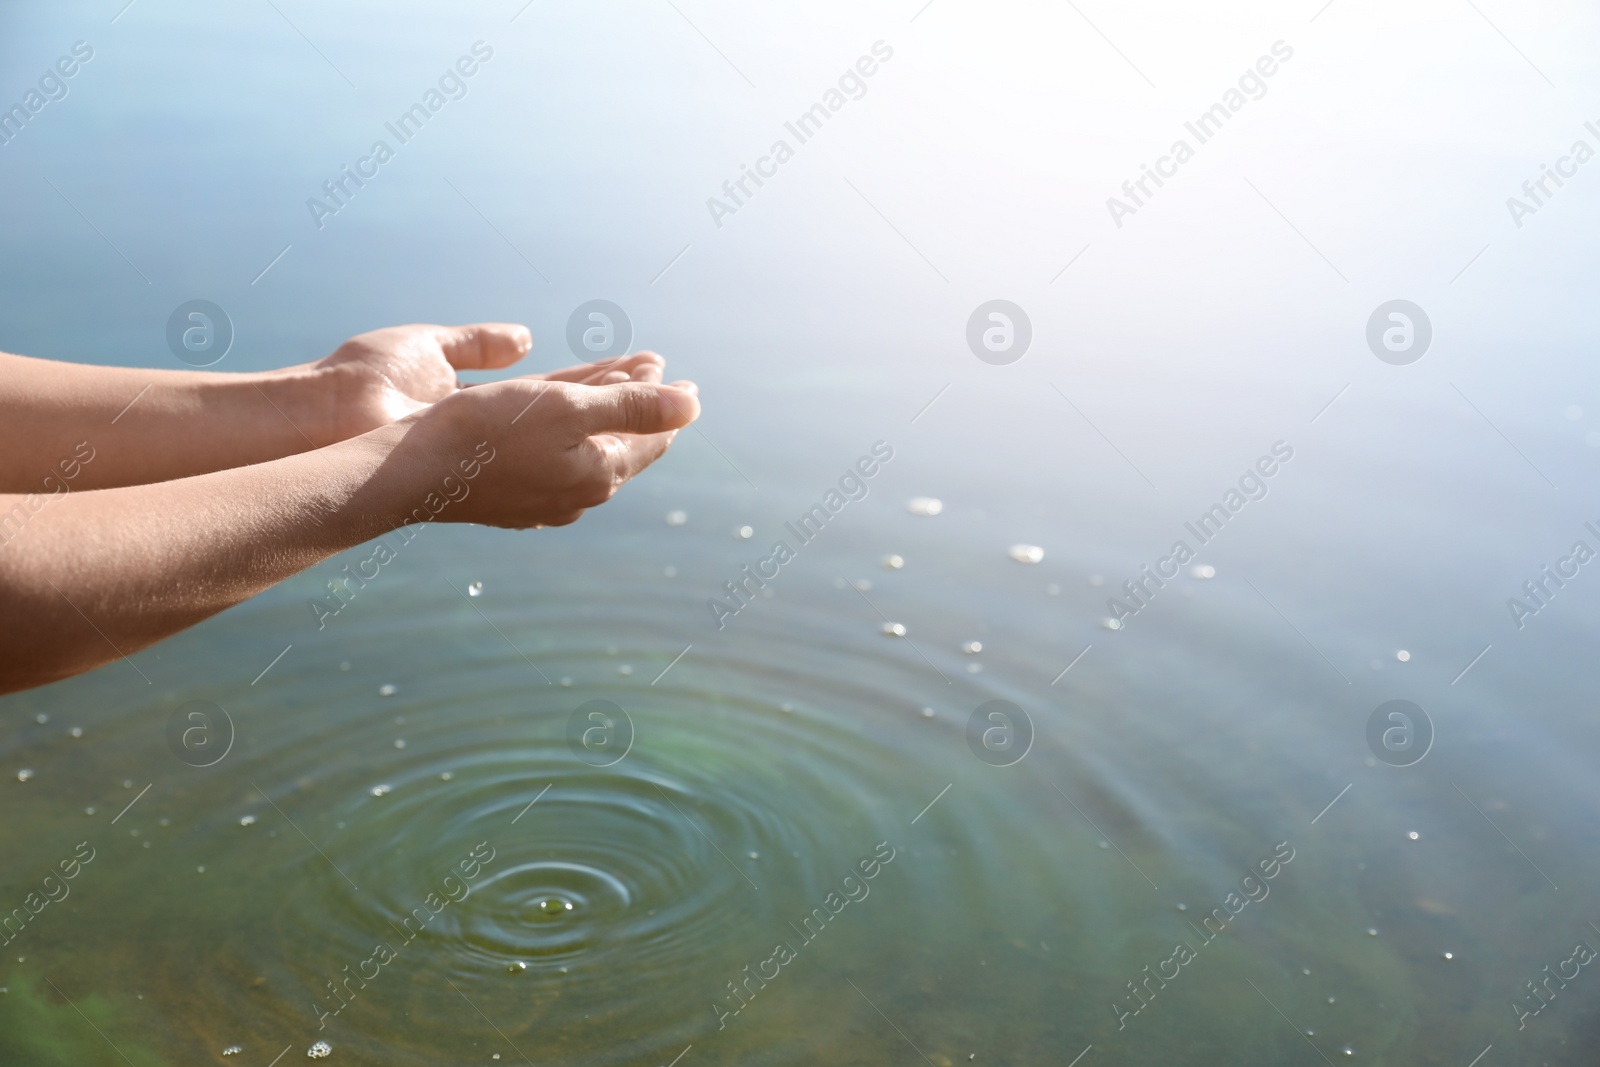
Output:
[[91, 576], [146, 426]]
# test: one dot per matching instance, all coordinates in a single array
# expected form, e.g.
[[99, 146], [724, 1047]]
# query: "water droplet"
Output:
[[744, 533], [1372, 931], [1202, 571], [1411, 836], [24, 774], [893, 563], [88, 811], [677, 518], [233, 1050], [1403, 656], [1183, 907], [200, 869], [554, 906], [127, 783], [387, 690], [344, 665], [1305, 970], [515, 968], [972, 648], [381, 790], [1311, 1033], [566, 683], [892, 629], [1111, 624], [41, 718], [445, 776], [399, 742], [1348, 1051], [1332, 1000], [1449, 955], [247, 820], [927, 713], [925, 505], [76, 731], [1026, 553], [319, 1051], [625, 670], [475, 589]]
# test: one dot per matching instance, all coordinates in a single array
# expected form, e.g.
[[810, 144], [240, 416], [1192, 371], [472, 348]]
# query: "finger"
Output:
[[635, 407], [589, 373], [612, 377], [483, 345], [623, 456]]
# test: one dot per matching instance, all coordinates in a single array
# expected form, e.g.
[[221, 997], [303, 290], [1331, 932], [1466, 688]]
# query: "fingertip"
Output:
[[680, 404]]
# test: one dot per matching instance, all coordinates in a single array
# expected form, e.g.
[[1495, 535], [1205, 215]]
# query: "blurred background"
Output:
[[1163, 755]]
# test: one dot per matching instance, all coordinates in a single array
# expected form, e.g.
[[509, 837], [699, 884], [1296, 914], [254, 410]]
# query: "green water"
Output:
[[522, 797]]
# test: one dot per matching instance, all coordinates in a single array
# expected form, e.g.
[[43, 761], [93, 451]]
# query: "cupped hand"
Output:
[[540, 451], [378, 377]]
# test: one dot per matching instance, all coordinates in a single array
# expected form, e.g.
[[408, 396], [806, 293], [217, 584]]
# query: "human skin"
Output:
[[205, 501]]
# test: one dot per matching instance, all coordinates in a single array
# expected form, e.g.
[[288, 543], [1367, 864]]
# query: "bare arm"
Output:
[[88, 576], [143, 426]]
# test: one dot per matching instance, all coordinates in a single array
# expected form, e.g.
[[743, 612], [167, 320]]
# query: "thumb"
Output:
[[638, 407]]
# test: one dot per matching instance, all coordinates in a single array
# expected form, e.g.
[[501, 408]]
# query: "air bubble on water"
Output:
[[892, 629], [893, 562], [1026, 553], [566, 683], [1110, 624], [247, 820], [670, 571], [927, 713], [24, 774], [924, 505], [1372, 931], [387, 690], [972, 648], [475, 589], [445, 776], [744, 533], [76, 731], [41, 718], [381, 790], [1403, 656], [319, 1051], [1202, 571], [1411, 836], [677, 518]]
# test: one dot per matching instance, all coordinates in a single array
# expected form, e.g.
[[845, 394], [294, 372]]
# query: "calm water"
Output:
[[784, 841]]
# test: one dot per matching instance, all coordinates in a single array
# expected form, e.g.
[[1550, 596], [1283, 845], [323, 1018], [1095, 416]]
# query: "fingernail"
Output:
[[677, 403]]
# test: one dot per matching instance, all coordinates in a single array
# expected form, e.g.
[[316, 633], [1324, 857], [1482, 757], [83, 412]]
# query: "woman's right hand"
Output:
[[526, 453]]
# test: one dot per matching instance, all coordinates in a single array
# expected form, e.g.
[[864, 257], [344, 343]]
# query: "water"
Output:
[[525, 797]]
